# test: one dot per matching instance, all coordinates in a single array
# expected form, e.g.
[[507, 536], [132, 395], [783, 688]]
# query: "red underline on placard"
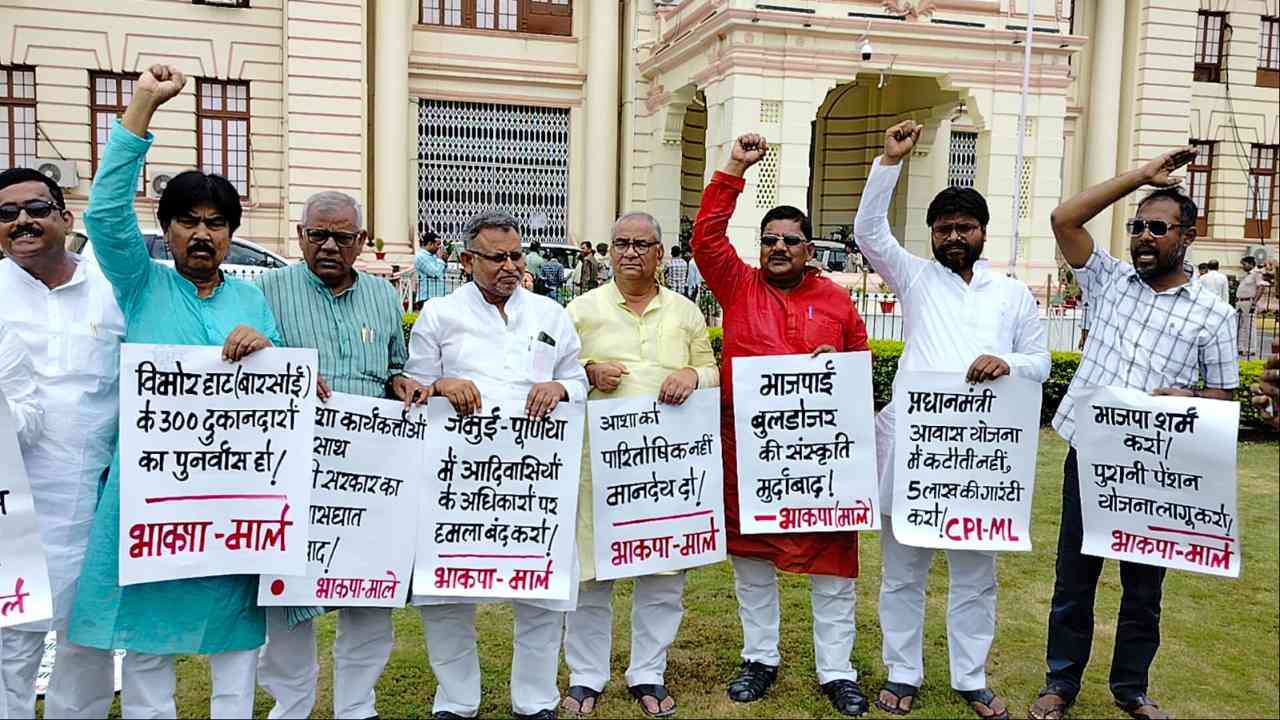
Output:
[[491, 557], [1191, 532], [766, 518], [664, 517], [183, 498]]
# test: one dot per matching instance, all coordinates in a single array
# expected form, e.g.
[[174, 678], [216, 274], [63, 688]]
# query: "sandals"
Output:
[[581, 694], [997, 708], [1142, 701], [1055, 709], [658, 693], [900, 692]]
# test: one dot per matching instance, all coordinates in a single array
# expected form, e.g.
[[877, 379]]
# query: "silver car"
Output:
[[245, 260]]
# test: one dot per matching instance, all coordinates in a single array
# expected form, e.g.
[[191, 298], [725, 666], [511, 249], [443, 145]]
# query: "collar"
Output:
[[514, 303], [319, 284], [616, 298], [78, 276], [1133, 276]]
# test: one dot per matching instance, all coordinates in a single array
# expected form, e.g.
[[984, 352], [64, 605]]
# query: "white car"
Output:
[[245, 260]]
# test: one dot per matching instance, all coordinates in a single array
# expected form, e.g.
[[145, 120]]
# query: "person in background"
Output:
[[638, 338], [693, 282], [1265, 394], [552, 276], [63, 333], [526, 281], [191, 303], [1202, 268], [602, 260], [677, 274], [961, 318], [430, 268], [1246, 292], [1216, 281], [780, 308], [533, 264], [1155, 331], [352, 319], [586, 276]]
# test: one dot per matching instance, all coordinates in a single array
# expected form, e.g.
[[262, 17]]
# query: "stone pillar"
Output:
[[391, 138], [1103, 115], [601, 166]]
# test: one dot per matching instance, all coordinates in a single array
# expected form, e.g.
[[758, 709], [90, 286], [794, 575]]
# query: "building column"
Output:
[[1103, 117], [391, 138], [601, 167]]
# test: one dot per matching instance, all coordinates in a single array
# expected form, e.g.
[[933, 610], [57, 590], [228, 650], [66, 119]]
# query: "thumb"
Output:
[[623, 369]]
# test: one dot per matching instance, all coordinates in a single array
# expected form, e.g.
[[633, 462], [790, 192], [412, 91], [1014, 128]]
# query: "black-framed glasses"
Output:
[[320, 236], [36, 209], [788, 240], [191, 222], [961, 229], [515, 256], [1157, 228], [624, 245]]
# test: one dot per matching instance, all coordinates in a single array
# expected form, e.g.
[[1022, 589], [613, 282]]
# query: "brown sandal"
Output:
[[1136, 706], [1049, 705]]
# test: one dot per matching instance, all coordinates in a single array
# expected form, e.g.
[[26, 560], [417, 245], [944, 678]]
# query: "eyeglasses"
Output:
[[1158, 228], [790, 240], [317, 236], [191, 222], [36, 209], [515, 256], [623, 245], [961, 229]]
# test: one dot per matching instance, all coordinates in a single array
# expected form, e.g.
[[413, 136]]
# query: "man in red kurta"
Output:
[[780, 308]]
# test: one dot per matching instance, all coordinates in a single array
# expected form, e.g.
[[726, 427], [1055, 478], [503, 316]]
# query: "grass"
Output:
[[1219, 655]]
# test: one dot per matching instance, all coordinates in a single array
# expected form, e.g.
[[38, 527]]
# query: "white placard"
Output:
[[805, 431], [500, 503], [1158, 480], [24, 570], [964, 462], [215, 461], [366, 475], [657, 484]]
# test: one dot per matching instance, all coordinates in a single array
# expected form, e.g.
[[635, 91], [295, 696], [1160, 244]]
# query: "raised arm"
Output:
[[1068, 219], [721, 268], [871, 225]]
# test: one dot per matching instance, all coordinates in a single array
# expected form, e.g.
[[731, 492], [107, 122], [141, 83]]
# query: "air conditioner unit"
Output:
[[158, 179], [62, 172], [1259, 253]]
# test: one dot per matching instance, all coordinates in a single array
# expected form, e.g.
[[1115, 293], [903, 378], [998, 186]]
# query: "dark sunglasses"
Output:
[[1158, 228], [515, 256], [790, 240], [318, 237], [36, 209]]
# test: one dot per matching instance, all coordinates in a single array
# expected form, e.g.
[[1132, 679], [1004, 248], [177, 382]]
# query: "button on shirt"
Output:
[[1144, 339], [947, 322], [73, 334], [357, 333]]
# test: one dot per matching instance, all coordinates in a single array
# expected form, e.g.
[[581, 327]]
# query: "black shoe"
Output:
[[446, 715], [540, 715], [752, 681], [846, 697]]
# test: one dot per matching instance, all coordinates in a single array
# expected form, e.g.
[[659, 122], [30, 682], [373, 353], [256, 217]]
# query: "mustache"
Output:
[[201, 247], [26, 229]]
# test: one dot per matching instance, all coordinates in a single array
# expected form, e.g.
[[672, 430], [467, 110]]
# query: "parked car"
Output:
[[245, 260]]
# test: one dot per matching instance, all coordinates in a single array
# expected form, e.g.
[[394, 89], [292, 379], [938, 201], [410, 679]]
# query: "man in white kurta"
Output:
[[959, 316], [18, 385], [491, 337], [63, 310]]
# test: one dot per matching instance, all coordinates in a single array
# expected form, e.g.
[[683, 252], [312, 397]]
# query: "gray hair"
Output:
[[332, 200], [487, 220], [641, 215]]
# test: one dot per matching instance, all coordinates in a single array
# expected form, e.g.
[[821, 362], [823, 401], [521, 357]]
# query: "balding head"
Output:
[[332, 201]]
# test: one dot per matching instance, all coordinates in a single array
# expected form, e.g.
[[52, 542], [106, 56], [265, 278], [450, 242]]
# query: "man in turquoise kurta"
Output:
[[192, 303]]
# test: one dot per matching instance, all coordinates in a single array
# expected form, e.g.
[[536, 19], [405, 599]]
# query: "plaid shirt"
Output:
[[1145, 339]]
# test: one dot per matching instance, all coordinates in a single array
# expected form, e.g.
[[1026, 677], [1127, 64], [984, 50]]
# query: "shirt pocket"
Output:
[[93, 357], [673, 348], [541, 361], [823, 331], [1174, 351]]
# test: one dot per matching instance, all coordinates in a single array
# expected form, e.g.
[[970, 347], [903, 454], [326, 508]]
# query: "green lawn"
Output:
[[1219, 656]]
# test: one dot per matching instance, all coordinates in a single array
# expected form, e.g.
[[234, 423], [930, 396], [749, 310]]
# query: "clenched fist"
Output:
[[899, 141], [160, 83], [748, 150]]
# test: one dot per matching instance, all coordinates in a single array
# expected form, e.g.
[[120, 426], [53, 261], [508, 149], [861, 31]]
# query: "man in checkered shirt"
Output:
[[1152, 330]]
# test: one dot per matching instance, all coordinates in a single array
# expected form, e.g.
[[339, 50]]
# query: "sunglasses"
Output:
[[790, 240], [1157, 228], [318, 237], [515, 256], [35, 209]]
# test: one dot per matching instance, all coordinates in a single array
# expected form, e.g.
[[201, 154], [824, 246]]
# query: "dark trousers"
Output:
[[1071, 614]]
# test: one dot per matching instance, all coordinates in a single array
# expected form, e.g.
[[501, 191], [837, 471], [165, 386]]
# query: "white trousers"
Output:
[[451, 650], [82, 686], [656, 610], [971, 610], [288, 667], [756, 584], [149, 683]]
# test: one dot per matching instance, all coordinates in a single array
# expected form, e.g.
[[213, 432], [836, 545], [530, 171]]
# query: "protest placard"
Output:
[[24, 571], [806, 443], [366, 473], [500, 503], [215, 461], [657, 484], [1158, 480], [964, 461]]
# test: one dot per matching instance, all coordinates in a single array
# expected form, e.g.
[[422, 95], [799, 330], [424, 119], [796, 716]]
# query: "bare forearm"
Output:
[[137, 117], [1069, 218]]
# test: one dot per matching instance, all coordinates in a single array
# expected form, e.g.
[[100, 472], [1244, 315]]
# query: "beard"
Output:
[[1164, 262], [956, 263]]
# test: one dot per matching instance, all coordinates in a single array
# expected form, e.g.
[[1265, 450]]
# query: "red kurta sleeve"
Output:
[[721, 268]]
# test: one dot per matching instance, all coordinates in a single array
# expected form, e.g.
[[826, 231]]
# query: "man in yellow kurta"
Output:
[[638, 338]]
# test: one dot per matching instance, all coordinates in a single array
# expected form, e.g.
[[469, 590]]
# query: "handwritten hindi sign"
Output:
[[806, 443], [1158, 480], [964, 461], [24, 572], [658, 484], [214, 461], [366, 475], [500, 504]]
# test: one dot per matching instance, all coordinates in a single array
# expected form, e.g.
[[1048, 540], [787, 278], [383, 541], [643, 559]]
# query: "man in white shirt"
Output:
[[491, 336], [960, 317], [66, 315], [1217, 282]]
